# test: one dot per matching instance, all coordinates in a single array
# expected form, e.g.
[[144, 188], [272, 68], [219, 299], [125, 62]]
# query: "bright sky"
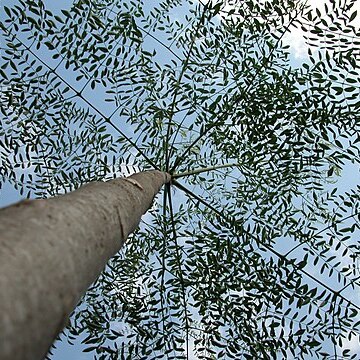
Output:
[[296, 39]]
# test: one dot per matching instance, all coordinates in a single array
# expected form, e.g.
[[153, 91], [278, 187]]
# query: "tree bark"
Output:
[[52, 250]]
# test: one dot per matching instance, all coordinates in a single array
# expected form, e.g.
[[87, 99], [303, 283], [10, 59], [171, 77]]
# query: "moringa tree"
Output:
[[251, 250]]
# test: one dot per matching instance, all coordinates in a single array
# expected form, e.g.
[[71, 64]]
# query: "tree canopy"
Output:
[[252, 251]]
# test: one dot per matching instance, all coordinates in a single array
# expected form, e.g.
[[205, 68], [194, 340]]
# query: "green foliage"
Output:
[[259, 260]]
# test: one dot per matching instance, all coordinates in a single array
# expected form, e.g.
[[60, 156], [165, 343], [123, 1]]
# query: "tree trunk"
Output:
[[52, 250]]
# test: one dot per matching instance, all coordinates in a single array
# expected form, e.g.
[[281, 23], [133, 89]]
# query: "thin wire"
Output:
[[234, 223], [106, 119]]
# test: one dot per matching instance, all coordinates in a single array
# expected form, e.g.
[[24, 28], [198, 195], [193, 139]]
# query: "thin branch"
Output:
[[178, 255], [163, 264], [176, 93], [201, 170], [321, 231]]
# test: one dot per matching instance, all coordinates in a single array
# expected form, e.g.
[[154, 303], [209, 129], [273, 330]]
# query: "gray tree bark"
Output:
[[52, 250]]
